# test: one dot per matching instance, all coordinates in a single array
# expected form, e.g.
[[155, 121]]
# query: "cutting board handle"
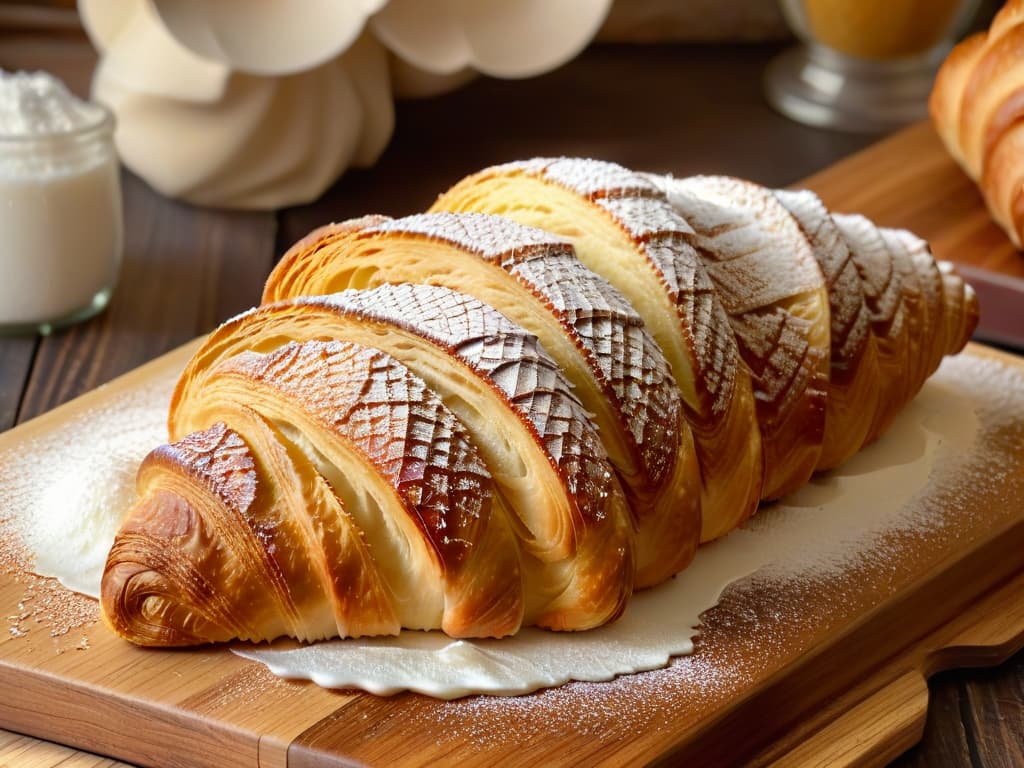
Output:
[[885, 714]]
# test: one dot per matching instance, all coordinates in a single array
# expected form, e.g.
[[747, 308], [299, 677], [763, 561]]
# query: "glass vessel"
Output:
[[863, 65], [61, 225]]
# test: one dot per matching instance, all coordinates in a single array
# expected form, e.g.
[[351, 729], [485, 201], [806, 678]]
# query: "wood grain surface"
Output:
[[675, 109]]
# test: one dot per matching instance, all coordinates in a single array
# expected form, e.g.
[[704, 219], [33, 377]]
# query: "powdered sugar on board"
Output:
[[957, 437], [62, 497]]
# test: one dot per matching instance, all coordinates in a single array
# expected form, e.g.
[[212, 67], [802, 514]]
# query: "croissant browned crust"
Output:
[[457, 421], [763, 268], [592, 332], [255, 531], [625, 230], [812, 303], [851, 390], [540, 448], [977, 106], [555, 492]]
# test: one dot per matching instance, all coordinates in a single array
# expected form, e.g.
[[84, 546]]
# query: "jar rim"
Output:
[[104, 124]]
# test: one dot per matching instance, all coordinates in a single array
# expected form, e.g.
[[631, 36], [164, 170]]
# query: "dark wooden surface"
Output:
[[678, 109]]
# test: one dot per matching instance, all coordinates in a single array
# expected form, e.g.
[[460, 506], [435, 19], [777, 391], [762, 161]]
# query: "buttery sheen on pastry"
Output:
[[625, 230], [851, 391], [345, 499], [539, 446], [588, 327], [572, 552], [763, 268], [457, 421], [916, 308]]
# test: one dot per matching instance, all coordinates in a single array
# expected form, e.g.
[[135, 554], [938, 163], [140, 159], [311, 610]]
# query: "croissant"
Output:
[[243, 537], [978, 110], [457, 420], [790, 288]]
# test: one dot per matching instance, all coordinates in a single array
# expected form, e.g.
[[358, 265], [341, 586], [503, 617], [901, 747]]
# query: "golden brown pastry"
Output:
[[919, 311], [764, 270], [572, 544], [367, 434], [977, 105], [884, 293], [588, 327], [625, 230], [345, 500], [545, 458], [851, 391]]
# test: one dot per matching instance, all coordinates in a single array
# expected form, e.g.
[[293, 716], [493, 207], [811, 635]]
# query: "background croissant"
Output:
[[977, 105], [458, 420]]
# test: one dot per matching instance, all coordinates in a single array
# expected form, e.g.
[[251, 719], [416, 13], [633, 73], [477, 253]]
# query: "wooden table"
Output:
[[678, 109]]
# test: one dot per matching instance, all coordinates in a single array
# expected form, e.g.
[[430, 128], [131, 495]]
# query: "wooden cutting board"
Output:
[[827, 673]]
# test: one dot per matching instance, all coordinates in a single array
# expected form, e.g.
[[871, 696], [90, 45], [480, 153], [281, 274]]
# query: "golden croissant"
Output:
[[517, 408], [978, 110]]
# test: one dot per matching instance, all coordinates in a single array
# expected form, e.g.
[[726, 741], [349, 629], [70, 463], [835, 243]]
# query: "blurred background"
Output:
[[652, 67]]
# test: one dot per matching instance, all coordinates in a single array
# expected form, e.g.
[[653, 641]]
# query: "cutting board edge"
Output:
[[885, 715], [711, 741]]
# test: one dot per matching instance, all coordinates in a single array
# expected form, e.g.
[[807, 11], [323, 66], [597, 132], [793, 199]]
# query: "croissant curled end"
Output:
[[180, 571], [153, 596]]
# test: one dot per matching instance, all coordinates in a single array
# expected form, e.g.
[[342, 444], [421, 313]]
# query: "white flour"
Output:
[[34, 103], [65, 493]]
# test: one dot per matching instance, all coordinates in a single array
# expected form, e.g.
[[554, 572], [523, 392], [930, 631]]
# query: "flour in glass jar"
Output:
[[60, 204]]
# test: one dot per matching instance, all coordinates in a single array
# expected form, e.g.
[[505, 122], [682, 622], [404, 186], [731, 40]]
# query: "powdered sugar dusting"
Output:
[[640, 209], [874, 264], [64, 494], [594, 179], [762, 266], [623, 358], [848, 315], [492, 237], [508, 357]]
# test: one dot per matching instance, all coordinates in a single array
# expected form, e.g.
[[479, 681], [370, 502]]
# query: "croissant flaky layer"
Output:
[[763, 268], [617, 370], [624, 229], [520, 407]]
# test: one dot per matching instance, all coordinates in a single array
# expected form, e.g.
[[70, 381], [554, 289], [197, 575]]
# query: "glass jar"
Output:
[[61, 225], [865, 65]]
